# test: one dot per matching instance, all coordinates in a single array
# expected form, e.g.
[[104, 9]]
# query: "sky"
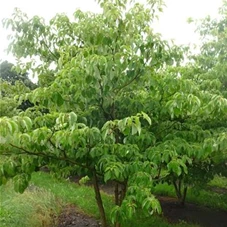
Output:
[[172, 23]]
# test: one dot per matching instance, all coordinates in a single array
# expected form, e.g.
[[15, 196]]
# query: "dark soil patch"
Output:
[[72, 217], [172, 211], [192, 213]]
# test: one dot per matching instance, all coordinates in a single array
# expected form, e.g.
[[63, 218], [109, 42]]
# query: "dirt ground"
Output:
[[192, 213], [72, 217]]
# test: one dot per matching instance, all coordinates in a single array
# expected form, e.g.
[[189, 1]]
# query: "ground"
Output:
[[172, 211], [72, 217], [192, 213]]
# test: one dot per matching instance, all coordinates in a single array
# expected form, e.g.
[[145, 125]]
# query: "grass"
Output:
[[82, 196], [201, 196], [46, 196], [155, 221], [219, 181], [35, 207]]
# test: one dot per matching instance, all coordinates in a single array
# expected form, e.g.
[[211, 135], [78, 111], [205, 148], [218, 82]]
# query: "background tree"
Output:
[[9, 98], [7, 73], [207, 70], [211, 65], [13, 86]]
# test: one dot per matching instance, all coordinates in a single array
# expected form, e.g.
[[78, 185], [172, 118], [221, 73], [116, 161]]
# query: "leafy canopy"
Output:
[[121, 106]]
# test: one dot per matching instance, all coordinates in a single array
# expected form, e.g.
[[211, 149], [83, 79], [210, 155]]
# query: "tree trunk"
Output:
[[184, 196], [117, 201], [120, 192], [116, 194], [123, 191], [99, 200], [181, 195], [177, 190]]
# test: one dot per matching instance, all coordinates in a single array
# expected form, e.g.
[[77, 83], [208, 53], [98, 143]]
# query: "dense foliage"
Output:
[[120, 107], [9, 74], [13, 84]]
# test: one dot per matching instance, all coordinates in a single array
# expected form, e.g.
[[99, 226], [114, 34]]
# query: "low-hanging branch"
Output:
[[48, 156]]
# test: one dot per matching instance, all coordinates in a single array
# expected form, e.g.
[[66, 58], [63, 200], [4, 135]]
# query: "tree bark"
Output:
[[181, 195], [116, 194], [184, 196], [99, 200], [177, 190], [120, 192]]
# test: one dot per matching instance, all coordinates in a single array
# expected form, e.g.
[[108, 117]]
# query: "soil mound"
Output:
[[72, 217]]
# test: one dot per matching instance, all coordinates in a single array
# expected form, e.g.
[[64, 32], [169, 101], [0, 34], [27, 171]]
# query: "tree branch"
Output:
[[129, 82], [45, 44], [48, 156]]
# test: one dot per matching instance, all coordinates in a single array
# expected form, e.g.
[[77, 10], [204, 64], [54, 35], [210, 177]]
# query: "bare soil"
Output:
[[192, 213], [72, 217]]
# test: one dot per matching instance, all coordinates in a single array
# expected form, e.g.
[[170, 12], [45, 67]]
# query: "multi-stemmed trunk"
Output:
[[181, 191]]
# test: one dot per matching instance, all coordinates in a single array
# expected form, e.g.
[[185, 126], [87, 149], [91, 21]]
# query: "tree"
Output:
[[13, 85], [211, 71], [118, 108], [9, 98], [207, 70], [8, 74]]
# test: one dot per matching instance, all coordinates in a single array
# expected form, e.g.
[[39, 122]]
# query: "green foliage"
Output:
[[7, 73], [9, 97], [208, 71], [13, 85], [121, 107]]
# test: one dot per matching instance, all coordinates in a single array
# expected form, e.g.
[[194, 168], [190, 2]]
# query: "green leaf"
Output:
[[27, 122], [115, 214], [84, 180], [107, 176], [72, 119], [175, 167], [57, 98], [134, 129], [9, 169], [21, 182], [146, 117]]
